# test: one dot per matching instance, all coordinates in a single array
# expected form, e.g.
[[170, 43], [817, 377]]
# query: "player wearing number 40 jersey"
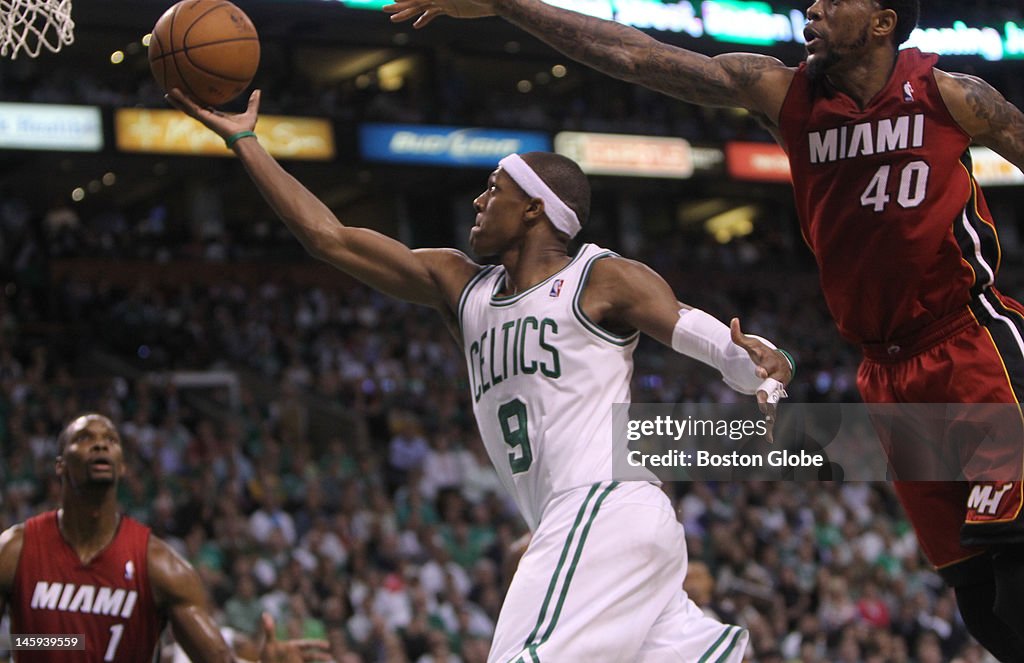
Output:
[[549, 340], [877, 144], [87, 569]]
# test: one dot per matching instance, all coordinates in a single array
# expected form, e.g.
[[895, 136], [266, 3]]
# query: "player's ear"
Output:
[[535, 209], [58, 465], [884, 22]]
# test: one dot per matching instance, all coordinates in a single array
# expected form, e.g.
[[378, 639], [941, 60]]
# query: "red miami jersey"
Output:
[[108, 600], [887, 202]]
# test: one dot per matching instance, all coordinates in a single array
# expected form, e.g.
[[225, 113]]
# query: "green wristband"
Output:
[[792, 362], [231, 140]]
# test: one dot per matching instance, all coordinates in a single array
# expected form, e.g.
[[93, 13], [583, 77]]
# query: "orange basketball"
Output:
[[207, 48]]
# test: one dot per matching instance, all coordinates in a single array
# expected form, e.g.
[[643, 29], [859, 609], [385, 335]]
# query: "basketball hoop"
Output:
[[30, 25]]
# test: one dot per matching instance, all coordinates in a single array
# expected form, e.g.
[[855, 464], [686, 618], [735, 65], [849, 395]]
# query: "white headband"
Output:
[[561, 215]]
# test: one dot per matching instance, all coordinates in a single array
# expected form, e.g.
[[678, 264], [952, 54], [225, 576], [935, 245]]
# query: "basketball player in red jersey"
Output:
[[87, 569], [877, 142]]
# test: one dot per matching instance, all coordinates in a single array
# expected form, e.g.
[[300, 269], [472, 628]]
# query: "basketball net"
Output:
[[30, 25]]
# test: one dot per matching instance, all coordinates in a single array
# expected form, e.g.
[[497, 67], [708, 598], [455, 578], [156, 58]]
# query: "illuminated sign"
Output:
[[758, 162], [445, 146], [707, 159], [51, 127], [990, 169], [751, 23], [617, 154], [365, 4], [758, 23], [647, 15], [172, 132], [986, 42]]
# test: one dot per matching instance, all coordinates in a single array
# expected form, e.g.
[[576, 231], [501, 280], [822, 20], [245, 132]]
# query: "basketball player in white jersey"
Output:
[[549, 339]]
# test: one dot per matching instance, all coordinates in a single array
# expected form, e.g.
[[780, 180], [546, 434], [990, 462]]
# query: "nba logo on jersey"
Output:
[[129, 570], [556, 288], [908, 92]]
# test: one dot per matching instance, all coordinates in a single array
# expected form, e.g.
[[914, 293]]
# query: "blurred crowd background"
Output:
[[309, 445]]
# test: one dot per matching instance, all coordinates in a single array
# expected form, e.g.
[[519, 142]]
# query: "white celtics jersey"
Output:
[[543, 379]]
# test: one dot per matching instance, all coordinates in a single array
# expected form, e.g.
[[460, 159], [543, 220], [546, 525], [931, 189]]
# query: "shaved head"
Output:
[[77, 424]]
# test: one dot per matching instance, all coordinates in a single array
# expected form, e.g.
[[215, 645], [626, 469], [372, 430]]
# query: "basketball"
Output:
[[207, 48]]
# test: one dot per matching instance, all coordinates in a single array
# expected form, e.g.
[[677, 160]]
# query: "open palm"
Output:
[[224, 124], [425, 11]]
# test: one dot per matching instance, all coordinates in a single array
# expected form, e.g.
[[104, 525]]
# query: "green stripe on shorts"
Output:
[[531, 646], [732, 644], [736, 633], [558, 568]]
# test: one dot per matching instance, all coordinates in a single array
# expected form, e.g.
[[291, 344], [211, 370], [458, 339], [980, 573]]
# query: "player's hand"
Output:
[[223, 124], [772, 367], [289, 651], [425, 11]]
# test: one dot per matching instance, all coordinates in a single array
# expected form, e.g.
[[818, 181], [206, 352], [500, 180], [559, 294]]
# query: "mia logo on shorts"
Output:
[[985, 502]]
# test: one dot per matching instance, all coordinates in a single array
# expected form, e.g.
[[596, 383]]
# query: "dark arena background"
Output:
[[309, 445]]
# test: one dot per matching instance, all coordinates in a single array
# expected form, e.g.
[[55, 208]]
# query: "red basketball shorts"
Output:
[[972, 357]]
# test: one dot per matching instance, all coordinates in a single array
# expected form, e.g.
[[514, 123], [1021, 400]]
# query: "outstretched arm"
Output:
[[984, 114], [179, 592], [433, 277], [622, 295], [756, 82]]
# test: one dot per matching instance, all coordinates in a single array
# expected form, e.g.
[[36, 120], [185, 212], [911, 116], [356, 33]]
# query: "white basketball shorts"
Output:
[[602, 582]]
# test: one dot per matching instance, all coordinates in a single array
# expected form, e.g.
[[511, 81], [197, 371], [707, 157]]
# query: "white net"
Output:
[[28, 26]]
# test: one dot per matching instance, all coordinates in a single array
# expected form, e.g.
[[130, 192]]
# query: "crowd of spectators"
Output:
[[345, 489]]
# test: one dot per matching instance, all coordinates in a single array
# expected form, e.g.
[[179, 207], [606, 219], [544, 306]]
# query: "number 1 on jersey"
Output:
[[116, 631], [512, 419], [913, 183]]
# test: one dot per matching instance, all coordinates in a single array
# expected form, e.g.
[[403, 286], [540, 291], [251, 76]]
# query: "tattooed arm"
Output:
[[745, 80], [984, 114]]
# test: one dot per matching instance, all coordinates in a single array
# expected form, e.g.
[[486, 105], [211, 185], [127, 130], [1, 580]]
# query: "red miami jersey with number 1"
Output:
[[108, 600], [887, 202]]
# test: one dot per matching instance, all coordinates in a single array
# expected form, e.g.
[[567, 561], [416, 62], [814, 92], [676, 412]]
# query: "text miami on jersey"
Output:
[[67, 597]]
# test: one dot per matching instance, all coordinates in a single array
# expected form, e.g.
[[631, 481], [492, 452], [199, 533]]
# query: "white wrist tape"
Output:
[[706, 339], [776, 390]]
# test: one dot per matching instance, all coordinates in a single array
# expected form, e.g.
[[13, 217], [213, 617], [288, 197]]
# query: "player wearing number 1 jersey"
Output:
[[908, 253], [86, 569], [108, 599]]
